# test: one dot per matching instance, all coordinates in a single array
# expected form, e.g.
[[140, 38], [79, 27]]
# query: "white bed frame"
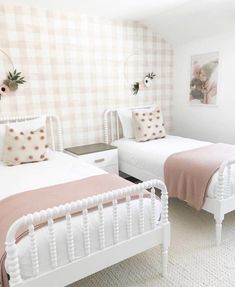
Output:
[[218, 206], [80, 267]]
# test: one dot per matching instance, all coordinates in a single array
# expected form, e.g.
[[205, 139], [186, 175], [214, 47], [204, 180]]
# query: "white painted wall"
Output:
[[215, 124]]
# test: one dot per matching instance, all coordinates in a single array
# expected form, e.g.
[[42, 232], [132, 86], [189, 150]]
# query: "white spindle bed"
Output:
[[223, 200], [78, 267]]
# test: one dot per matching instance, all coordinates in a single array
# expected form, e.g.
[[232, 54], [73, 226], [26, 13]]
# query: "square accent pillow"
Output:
[[125, 116], [22, 126], [24, 147], [148, 125]]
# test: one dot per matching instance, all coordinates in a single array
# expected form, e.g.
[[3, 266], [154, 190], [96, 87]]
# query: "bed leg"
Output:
[[166, 235], [218, 229], [164, 260]]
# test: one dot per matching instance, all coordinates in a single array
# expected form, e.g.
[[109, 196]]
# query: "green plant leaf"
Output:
[[135, 88]]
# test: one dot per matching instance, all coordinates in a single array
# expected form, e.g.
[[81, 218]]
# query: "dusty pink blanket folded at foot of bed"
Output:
[[188, 174], [13, 207]]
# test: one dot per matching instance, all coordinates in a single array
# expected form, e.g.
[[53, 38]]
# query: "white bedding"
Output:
[[150, 156], [60, 168], [63, 168]]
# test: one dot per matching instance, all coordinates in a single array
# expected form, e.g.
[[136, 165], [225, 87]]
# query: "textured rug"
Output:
[[194, 261]]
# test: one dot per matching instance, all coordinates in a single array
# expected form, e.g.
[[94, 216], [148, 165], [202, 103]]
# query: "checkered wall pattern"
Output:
[[75, 67]]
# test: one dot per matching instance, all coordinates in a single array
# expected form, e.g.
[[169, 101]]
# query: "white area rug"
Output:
[[194, 261]]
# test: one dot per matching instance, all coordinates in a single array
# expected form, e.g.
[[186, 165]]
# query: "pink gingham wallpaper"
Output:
[[77, 66]]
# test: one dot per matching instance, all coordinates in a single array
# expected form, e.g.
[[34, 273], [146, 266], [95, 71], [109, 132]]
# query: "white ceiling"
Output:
[[178, 21], [125, 9], [194, 20]]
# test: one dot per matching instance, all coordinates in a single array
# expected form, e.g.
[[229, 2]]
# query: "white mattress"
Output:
[[150, 156], [59, 169]]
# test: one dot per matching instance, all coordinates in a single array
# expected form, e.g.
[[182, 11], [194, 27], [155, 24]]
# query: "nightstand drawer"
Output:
[[111, 168], [101, 155], [101, 159]]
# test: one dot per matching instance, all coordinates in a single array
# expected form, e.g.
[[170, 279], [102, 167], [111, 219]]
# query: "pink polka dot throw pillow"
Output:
[[21, 147], [148, 125]]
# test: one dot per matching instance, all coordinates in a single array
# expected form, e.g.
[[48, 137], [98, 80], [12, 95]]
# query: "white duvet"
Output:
[[150, 156], [61, 168]]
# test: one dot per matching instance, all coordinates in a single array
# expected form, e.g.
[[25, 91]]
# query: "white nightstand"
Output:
[[102, 155]]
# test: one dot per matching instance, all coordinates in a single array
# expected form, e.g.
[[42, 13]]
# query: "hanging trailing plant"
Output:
[[13, 80], [147, 82], [148, 79], [135, 88], [11, 83], [151, 75]]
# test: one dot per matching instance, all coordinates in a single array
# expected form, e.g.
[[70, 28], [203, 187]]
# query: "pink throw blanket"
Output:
[[13, 207], [188, 174]]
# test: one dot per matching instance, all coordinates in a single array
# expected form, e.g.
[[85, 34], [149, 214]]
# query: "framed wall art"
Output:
[[204, 79]]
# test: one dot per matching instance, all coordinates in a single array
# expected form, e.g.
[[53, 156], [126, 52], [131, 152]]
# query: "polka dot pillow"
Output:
[[148, 125], [22, 147]]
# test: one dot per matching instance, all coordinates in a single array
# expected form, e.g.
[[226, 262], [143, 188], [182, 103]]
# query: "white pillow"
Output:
[[24, 126], [125, 116]]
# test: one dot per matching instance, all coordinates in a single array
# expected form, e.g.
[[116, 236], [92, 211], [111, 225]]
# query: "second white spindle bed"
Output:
[[146, 160]]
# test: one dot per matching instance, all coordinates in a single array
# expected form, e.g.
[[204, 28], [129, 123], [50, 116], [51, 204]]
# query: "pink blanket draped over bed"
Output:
[[188, 173], [13, 207]]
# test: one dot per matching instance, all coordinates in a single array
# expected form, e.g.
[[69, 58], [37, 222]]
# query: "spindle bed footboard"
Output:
[[80, 267]]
